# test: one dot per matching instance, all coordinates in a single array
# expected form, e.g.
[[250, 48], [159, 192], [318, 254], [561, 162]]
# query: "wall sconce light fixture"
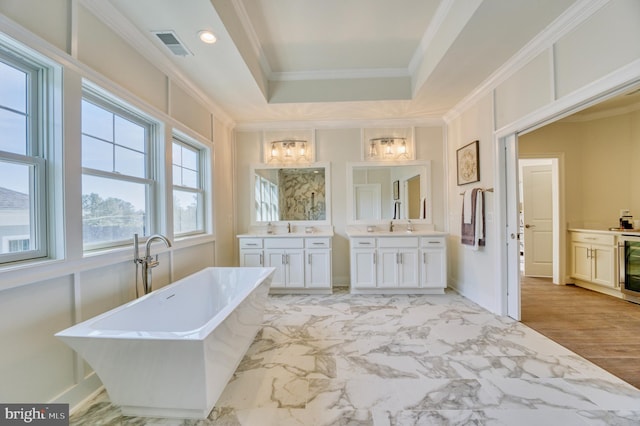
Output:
[[288, 151], [388, 148]]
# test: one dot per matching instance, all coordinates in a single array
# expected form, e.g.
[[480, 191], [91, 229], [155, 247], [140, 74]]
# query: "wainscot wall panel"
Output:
[[192, 259], [35, 365], [603, 43], [530, 88], [190, 112], [105, 288], [48, 19], [224, 184]]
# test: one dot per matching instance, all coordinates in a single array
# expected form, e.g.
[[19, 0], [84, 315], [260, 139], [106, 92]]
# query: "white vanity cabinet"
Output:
[[363, 263], [251, 254], [398, 264], [433, 262], [318, 262], [593, 258], [287, 256], [303, 264]]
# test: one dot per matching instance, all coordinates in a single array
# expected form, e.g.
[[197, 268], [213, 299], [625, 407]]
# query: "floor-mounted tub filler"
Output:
[[171, 353]]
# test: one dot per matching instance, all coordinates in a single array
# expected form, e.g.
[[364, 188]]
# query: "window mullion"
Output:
[[116, 176]]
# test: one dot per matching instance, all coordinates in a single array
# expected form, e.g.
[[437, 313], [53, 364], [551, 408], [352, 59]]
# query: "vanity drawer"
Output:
[[363, 242], [249, 243], [431, 242], [399, 242], [586, 237], [283, 243], [317, 242]]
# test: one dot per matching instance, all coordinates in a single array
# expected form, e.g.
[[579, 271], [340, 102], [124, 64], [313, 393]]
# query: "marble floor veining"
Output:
[[402, 360]]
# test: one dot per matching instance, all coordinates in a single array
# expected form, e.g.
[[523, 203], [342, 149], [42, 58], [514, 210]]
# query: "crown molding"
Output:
[[564, 24], [245, 21], [339, 124], [116, 21], [339, 74], [428, 36]]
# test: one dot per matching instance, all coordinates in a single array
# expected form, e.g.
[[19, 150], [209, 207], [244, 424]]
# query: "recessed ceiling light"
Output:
[[207, 36]]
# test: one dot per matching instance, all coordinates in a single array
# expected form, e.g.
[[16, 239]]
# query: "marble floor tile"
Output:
[[345, 359]]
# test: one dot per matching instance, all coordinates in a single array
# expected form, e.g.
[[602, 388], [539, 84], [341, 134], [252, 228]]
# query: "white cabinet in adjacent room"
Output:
[[593, 258]]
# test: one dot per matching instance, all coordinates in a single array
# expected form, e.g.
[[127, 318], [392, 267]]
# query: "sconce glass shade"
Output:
[[288, 151], [373, 152], [389, 149]]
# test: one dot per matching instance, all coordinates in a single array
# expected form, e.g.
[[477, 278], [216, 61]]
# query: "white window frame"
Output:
[[39, 113], [201, 190], [266, 207], [110, 103]]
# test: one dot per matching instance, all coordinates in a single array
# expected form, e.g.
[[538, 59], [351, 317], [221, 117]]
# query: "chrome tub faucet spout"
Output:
[[147, 261]]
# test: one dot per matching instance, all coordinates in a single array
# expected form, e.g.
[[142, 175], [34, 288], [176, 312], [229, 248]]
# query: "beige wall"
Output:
[[600, 158], [41, 299]]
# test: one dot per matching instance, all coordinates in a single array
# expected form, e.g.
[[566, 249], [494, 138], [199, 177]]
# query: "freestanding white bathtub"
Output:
[[171, 353]]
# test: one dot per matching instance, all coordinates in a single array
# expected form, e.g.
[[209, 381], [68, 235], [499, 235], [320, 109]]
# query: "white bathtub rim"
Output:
[[84, 328]]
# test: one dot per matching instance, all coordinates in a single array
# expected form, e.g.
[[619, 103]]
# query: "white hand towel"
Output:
[[467, 202]]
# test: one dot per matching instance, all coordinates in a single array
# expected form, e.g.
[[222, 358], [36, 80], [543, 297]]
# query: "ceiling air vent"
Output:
[[170, 39]]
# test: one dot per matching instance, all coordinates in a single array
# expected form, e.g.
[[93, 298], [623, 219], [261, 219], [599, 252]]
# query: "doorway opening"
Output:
[[509, 146]]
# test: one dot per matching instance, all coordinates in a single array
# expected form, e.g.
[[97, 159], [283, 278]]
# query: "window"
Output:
[[266, 195], [188, 193], [24, 86], [117, 178]]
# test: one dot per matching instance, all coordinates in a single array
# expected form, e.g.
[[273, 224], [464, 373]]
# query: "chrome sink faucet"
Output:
[[147, 262]]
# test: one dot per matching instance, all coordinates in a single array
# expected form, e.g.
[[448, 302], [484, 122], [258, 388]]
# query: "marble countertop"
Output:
[[287, 234], [398, 233]]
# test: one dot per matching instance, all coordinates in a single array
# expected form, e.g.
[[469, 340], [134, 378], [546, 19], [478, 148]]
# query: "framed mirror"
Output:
[[378, 192], [290, 193]]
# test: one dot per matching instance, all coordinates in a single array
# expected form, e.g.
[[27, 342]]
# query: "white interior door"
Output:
[[537, 207], [367, 201]]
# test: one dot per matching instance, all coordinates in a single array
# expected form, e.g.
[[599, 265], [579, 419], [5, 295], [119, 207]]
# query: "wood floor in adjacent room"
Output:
[[603, 329]]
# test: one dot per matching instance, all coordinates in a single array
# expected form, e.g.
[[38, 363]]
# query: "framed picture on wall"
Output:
[[468, 162], [396, 190]]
